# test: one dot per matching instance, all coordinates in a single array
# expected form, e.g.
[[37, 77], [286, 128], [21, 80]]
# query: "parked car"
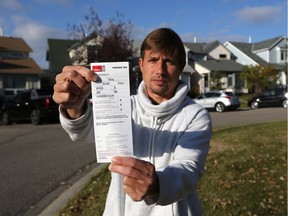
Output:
[[270, 98], [34, 105], [218, 100]]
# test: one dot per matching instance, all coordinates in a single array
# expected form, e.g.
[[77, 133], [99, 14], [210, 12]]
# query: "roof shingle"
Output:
[[14, 44], [19, 66]]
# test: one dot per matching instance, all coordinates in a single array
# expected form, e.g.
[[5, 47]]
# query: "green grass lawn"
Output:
[[243, 100], [246, 174], [246, 171]]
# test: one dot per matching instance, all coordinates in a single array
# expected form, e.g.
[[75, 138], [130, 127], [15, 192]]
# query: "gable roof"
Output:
[[250, 49], [202, 48], [58, 53], [195, 47], [14, 44], [267, 44], [19, 66], [247, 49], [221, 65], [85, 40]]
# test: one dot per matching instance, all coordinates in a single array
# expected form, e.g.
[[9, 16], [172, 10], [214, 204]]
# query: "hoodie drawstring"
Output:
[[153, 128]]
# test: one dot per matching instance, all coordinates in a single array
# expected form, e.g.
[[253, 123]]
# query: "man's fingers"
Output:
[[131, 167], [141, 185], [127, 171], [65, 97], [67, 86], [141, 165], [72, 80], [140, 178], [86, 73], [133, 193]]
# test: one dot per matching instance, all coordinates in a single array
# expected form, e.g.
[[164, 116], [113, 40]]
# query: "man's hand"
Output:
[[72, 87], [140, 178]]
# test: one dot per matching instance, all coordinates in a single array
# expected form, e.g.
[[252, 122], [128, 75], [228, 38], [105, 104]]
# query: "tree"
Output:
[[101, 41], [259, 77], [216, 83], [116, 45]]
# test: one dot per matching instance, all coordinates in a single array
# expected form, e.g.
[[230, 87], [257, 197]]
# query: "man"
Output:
[[171, 133]]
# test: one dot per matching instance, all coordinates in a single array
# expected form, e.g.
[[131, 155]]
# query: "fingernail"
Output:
[[114, 159], [95, 77]]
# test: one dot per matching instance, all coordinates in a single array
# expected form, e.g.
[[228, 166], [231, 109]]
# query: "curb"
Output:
[[64, 198]]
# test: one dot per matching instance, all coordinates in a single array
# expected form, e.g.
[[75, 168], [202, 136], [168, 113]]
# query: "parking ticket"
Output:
[[112, 110]]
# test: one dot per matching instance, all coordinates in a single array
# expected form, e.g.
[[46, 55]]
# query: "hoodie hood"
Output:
[[166, 108]]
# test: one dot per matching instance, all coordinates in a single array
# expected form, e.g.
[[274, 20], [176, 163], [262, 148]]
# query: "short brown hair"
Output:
[[166, 41]]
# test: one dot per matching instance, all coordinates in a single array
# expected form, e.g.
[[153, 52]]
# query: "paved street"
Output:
[[247, 116], [36, 160], [40, 162]]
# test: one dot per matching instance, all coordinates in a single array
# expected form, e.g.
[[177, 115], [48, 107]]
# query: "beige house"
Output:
[[208, 60], [17, 70]]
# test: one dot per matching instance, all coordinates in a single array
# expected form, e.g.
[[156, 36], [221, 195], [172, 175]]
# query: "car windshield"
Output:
[[44, 92]]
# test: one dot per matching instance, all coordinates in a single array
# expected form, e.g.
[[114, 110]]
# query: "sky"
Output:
[[194, 20]]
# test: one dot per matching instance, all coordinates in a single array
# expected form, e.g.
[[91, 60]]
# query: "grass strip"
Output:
[[246, 174]]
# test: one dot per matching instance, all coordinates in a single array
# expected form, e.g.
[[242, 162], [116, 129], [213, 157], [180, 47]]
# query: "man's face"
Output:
[[160, 74]]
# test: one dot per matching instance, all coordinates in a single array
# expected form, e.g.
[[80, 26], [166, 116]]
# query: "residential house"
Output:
[[272, 51], [83, 52], [211, 61], [58, 56], [17, 70]]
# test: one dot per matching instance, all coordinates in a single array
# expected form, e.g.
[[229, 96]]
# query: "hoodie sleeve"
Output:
[[180, 178], [81, 129]]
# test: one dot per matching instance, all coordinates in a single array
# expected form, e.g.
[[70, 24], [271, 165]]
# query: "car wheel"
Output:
[[35, 117], [220, 107], [254, 105], [6, 119], [285, 103]]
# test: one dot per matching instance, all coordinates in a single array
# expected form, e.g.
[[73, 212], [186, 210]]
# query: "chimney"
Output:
[[195, 39], [1, 31], [250, 39]]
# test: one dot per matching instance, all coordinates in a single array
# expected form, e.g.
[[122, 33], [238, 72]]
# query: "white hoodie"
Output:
[[174, 136]]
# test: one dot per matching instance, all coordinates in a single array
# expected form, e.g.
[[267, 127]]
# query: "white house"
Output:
[[86, 48], [272, 51]]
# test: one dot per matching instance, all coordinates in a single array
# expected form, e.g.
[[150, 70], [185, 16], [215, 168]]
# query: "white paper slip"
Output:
[[112, 110]]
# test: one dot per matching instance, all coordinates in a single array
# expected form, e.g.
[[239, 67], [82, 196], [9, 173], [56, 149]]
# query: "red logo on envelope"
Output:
[[98, 68]]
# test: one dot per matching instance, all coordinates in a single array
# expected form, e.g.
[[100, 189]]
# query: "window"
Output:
[[222, 56], [206, 81], [230, 80], [14, 82], [15, 55], [212, 95], [284, 55]]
